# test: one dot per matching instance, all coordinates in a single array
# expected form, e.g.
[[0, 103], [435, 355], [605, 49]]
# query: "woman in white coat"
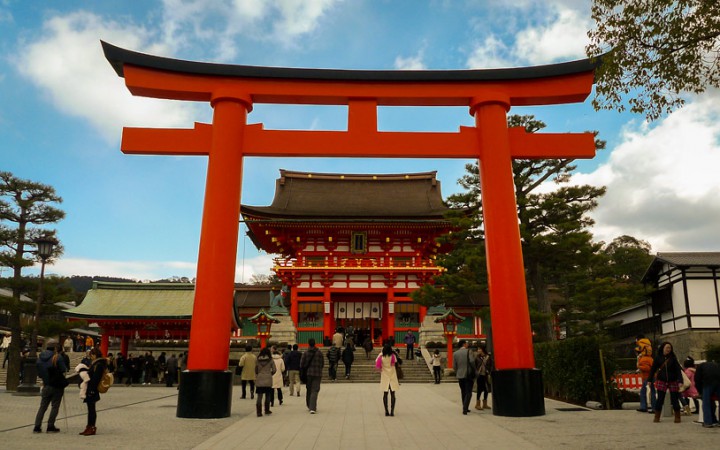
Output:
[[385, 363], [277, 379]]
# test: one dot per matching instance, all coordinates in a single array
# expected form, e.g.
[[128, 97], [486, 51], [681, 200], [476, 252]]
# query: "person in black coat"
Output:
[[707, 382], [98, 365], [348, 357], [666, 372]]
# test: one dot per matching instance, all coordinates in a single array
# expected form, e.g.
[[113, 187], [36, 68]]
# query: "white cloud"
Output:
[[410, 63], [560, 40], [492, 53], [662, 181], [220, 23], [151, 270], [67, 62], [298, 18], [557, 33]]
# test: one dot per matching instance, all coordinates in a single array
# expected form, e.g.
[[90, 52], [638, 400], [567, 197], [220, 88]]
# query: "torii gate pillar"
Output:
[[516, 376], [206, 387]]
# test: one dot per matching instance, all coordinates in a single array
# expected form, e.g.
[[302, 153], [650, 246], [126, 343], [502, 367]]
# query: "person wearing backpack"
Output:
[[51, 369], [96, 371]]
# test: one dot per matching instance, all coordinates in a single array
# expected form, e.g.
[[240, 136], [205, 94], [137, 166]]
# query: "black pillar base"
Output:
[[205, 394], [29, 386], [518, 393]]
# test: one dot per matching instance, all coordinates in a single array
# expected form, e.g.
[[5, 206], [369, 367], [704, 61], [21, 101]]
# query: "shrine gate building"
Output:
[[352, 248]]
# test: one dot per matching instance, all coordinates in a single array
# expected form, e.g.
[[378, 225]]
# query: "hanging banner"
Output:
[[376, 310]]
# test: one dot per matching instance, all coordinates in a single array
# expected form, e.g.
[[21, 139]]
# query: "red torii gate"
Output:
[[206, 388]]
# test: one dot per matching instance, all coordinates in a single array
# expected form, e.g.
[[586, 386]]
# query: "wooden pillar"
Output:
[[423, 313], [294, 306], [506, 275], [104, 343], [209, 339], [390, 320], [327, 315], [124, 345]]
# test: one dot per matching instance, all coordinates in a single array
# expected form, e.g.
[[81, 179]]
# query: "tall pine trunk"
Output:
[[545, 330]]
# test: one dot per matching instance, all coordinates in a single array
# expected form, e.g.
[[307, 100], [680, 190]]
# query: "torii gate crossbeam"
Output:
[[205, 391]]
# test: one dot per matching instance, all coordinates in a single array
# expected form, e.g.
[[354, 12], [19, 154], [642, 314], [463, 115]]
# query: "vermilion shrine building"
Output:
[[352, 248]]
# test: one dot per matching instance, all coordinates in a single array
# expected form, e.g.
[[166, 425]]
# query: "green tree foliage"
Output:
[[24, 205], [612, 281], [654, 51], [554, 229]]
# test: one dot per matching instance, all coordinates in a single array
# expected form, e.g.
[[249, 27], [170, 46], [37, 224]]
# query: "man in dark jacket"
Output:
[[464, 365], [707, 382], [171, 369], [333, 357], [313, 361], [293, 367], [51, 369]]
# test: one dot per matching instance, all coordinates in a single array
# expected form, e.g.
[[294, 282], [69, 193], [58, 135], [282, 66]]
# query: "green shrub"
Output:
[[571, 369]]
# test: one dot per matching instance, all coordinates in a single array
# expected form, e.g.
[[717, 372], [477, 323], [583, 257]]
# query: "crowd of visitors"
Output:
[[663, 373]]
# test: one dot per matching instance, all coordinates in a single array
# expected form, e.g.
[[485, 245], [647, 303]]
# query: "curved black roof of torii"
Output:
[[119, 56]]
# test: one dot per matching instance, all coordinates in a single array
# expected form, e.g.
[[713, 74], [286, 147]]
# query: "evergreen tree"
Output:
[[23, 206], [613, 281]]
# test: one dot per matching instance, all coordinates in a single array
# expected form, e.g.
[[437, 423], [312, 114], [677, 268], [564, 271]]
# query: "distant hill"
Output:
[[82, 284]]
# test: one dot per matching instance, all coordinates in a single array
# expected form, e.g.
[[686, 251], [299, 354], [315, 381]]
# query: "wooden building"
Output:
[[351, 248]]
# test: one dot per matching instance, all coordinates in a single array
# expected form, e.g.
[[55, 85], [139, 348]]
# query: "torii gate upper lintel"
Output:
[[232, 90]]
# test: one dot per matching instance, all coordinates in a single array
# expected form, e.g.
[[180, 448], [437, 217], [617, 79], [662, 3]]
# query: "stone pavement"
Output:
[[350, 416]]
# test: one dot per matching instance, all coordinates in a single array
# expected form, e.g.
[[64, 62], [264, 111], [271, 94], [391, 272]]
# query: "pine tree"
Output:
[[24, 205]]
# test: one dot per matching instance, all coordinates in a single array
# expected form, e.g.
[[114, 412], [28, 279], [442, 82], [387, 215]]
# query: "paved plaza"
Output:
[[350, 416]]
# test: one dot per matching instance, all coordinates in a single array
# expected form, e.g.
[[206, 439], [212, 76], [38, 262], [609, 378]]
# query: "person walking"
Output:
[[707, 382], [5, 346], [368, 346], [338, 338], [264, 370], [666, 373], [333, 356], [410, 344], [643, 350], [95, 372], [277, 383], [348, 357], [386, 363], [68, 344], [483, 367], [437, 366], [691, 392], [248, 363], [51, 369], [464, 365], [171, 369], [293, 368], [313, 362]]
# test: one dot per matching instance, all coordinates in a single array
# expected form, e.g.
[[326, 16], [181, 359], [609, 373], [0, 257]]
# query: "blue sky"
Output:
[[62, 109]]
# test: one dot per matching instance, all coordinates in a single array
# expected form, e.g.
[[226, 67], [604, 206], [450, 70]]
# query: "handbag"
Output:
[[685, 382]]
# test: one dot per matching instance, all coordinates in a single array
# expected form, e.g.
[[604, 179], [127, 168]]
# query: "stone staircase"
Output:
[[363, 369]]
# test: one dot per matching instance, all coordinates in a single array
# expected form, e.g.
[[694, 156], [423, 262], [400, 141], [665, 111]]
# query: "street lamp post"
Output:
[[45, 246]]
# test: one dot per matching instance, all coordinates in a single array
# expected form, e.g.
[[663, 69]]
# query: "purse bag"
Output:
[[685, 382]]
